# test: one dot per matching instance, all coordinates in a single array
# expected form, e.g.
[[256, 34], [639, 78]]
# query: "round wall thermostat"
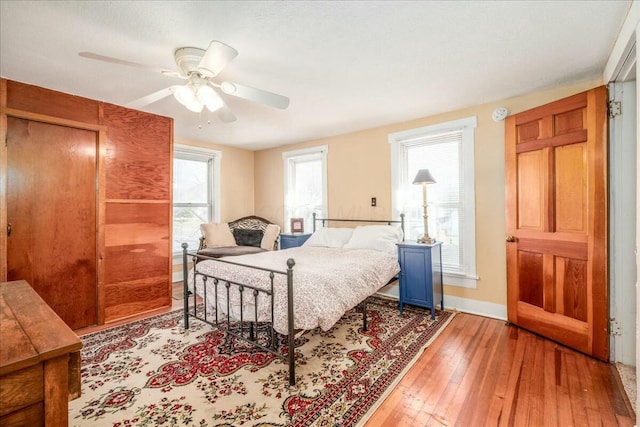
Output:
[[499, 114]]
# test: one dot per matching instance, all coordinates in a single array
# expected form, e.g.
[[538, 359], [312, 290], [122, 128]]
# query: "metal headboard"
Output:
[[384, 221]]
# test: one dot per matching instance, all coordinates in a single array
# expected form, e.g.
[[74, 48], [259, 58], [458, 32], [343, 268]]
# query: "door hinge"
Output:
[[615, 108], [615, 328]]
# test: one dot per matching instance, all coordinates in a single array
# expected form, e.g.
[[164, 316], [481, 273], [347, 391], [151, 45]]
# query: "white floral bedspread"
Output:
[[326, 283]]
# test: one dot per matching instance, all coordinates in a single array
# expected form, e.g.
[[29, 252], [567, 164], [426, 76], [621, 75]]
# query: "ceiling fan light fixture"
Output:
[[205, 72], [188, 96], [198, 66], [185, 95], [209, 97], [195, 106]]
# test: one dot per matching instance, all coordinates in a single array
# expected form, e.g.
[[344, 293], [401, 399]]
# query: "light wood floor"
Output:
[[481, 372]]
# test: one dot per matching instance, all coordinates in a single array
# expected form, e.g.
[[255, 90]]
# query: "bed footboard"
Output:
[[241, 328]]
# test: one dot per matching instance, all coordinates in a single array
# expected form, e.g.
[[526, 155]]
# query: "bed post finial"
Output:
[[314, 221], [402, 225], [290, 263]]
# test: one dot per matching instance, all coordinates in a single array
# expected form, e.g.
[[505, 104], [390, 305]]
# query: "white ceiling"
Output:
[[346, 66]]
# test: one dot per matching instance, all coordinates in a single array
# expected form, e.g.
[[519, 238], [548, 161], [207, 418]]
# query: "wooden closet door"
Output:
[[556, 199], [51, 207]]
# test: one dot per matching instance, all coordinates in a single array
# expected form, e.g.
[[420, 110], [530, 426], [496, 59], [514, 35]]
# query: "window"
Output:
[[447, 150], [305, 185], [196, 186]]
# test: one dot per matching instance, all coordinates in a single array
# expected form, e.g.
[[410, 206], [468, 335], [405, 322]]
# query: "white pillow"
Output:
[[269, 237], [217, 235], [329, 237], [381, 238]]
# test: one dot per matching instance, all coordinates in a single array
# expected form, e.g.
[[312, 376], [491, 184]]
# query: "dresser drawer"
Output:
[[21, 388], [30, 416]]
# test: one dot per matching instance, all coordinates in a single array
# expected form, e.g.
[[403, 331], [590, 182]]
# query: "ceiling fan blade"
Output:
[[215, 58], [112, 60], [152, 97], [225, 114], [253, 94]]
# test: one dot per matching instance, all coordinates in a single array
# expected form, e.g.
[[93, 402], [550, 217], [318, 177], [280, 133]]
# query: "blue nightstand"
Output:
[[421, 275], [292, 240]]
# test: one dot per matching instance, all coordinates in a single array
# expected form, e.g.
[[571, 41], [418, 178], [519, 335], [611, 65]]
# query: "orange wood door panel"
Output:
[[138, 185], [51, 206], [137, 246], [39, 100], [138, 161], [556, 208]]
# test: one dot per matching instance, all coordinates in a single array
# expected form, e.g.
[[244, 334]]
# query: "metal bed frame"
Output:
[[386, 221], [249, 331]]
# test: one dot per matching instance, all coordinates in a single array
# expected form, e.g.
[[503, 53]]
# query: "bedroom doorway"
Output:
[[622, 260], [556, 200], [51, 213]]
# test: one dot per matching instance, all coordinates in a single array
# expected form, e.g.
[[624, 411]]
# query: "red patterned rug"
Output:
[[154, 373]]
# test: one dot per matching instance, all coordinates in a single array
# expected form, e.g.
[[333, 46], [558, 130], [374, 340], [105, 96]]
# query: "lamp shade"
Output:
[[424, 177]]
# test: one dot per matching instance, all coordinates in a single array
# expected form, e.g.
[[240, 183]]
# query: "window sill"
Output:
[[460, 280]]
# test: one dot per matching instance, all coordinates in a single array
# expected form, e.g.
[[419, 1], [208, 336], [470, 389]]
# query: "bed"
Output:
[[268, 299]]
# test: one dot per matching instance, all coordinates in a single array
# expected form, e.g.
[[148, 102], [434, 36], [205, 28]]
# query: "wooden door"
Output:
[[51, 208], [556, 208]]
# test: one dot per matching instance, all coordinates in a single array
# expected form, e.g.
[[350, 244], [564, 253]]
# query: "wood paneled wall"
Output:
[[134, 187], [138, 190]]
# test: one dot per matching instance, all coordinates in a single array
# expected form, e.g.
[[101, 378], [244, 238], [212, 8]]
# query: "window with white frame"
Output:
[[447, 150], [305, 185], [196, 173]]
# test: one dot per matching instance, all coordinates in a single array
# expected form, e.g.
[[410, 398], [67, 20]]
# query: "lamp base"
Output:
[[426, 239]]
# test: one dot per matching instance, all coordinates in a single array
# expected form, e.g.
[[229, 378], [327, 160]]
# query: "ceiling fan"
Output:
[[199, 68]]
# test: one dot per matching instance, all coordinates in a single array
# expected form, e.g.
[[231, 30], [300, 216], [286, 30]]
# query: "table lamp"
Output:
[[424, 177]]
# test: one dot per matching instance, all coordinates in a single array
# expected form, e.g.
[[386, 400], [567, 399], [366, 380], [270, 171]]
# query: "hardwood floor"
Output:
[[481, 372]]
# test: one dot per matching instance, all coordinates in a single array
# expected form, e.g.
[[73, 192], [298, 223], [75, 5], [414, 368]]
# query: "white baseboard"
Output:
[[465, 305], [472, 306], [392, 290]]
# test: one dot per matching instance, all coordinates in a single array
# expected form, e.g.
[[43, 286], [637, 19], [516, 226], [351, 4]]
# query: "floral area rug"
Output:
[[153, 372]]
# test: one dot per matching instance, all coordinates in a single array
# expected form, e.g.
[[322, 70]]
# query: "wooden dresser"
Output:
[[39, 360]]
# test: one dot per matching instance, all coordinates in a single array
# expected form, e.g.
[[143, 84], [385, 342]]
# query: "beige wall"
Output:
[[359, 168]]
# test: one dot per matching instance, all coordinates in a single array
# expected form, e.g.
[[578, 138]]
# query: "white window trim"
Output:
[[193, 152], [397, 141], [286, 155]]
